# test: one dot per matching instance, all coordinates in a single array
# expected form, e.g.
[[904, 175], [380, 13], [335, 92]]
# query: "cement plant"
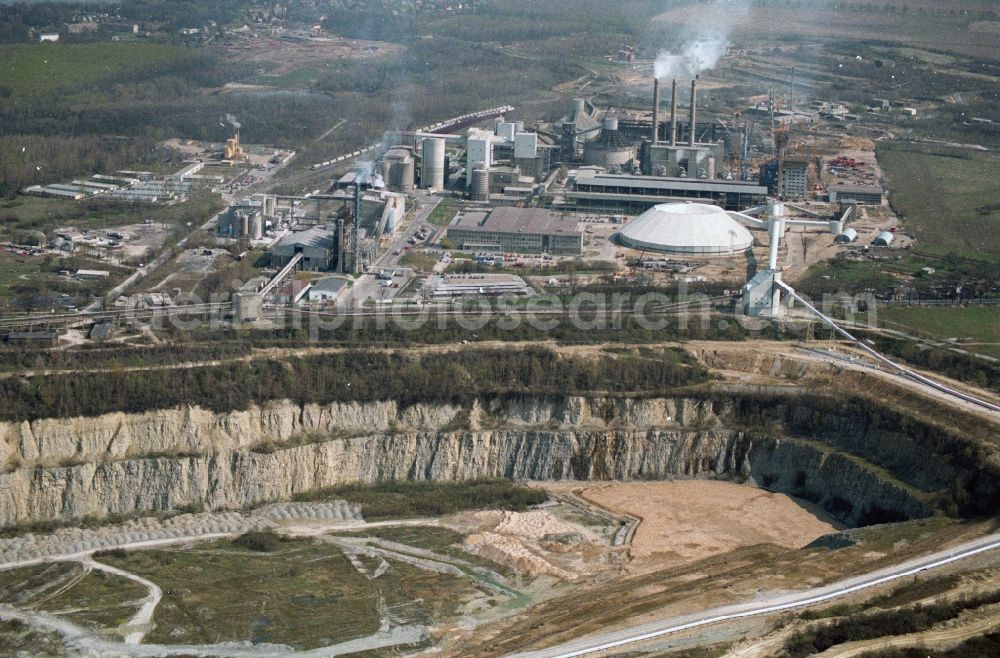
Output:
[[500, 328]]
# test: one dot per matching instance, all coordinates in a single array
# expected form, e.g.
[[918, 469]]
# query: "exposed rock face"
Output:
[[162, 460]]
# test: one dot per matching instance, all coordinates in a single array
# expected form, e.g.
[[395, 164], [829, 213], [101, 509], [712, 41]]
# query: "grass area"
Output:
[[35, 69], [443, 541], [947, 197], [27, 277], [303, 593], [264, 588], [419, 261], [407, 499], [17, 637], [98, 599], [443, 213], [972, 323], [32, 213]]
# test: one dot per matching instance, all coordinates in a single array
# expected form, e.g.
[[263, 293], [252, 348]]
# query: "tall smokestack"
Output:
[[673, 113], [694, 110], [656, 111]]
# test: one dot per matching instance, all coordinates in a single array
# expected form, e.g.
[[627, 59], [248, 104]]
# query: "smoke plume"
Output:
[[233, 122], [703, 41]]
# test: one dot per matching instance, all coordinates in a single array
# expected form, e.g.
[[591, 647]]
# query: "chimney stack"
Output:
[[694, 110], [656, 111], [673, 113]]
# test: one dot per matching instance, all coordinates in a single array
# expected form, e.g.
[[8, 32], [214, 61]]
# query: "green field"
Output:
[[977, 325], [947, 198], [304, 594], [33, 69], [300, 592], [96, 599], [32, 213], [443, 213]]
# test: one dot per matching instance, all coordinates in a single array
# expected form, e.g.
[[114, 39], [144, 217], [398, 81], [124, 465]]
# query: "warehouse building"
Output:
[[317, 246], [868, 195], [592, 190], [686, 229], [517, 230]]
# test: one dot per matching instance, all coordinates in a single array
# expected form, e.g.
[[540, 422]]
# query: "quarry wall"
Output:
[[65, 469]]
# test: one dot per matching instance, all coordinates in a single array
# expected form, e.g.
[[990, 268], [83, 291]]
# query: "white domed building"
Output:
[[693, 229]]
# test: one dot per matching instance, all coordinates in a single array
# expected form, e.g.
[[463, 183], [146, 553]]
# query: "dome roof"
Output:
[[686, 228]]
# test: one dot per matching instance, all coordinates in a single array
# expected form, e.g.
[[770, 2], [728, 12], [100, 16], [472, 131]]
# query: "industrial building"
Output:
[[327, 290], [518, 230], [612, 149], [868, 195], [692, 158], [793, 178], [688, 229], [317, 246], [466, 285], [592, 190]]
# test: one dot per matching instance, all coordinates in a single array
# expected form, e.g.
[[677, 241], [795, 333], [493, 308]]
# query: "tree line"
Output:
[[455, 377]]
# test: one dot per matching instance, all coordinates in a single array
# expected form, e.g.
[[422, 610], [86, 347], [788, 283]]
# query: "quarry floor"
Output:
[[595, 556]]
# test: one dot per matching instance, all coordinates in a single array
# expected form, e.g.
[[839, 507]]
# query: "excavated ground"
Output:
[[704, 518]]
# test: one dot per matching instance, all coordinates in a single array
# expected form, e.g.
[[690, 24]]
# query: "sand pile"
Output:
[[690, 520], [512, 553]]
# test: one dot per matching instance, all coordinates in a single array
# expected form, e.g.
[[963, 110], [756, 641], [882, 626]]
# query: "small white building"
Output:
[[92, 274], [327, 290], [50, 37]]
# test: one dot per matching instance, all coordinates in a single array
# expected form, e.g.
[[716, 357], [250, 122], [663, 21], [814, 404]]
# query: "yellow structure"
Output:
[[234, 151]]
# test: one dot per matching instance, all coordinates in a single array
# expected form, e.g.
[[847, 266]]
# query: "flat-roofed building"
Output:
[[868, 195], [591, 190], [518, 230]]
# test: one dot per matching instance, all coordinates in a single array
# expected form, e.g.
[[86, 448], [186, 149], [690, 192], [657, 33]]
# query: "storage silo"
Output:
[[432, 167], [399, 170], [244, 223], [611, 148], [256, 226], [481, 183]]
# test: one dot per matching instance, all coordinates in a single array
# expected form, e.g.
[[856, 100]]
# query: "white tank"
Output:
[[432, 167], [611, 123], [256, 226], [481, 183]]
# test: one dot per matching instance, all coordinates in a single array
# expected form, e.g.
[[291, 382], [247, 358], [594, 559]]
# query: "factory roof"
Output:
[[613, 139], [329, 284], [848, 187], [314, 237], [692, 228], [518, 220], [589, 177]]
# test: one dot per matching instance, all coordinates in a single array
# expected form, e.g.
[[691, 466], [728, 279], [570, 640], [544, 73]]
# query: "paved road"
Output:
[[428, 203], [640, 633]]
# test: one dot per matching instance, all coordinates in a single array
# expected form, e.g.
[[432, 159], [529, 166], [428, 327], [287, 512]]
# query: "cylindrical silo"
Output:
[[481, 183], [244, 224], [432, 168], [256, 226], [407, 175]]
